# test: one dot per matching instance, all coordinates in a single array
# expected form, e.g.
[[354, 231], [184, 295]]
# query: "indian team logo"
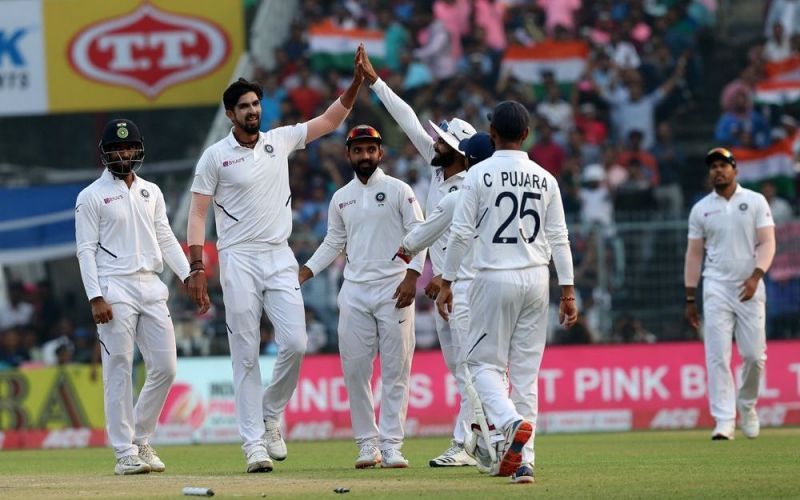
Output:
[[454, 188], [122, 131], [743, 206], [268, 148], [380, 197], [145, 194]]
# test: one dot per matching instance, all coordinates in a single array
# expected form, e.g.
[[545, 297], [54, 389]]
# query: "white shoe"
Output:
[[258, 461], [368, 456], [393, 459], [130, 464], [723, 431], [150, 457], [276, 446], [455, 456], [748, 422]]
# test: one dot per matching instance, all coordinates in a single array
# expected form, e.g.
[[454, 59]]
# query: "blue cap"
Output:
[[478, 148]]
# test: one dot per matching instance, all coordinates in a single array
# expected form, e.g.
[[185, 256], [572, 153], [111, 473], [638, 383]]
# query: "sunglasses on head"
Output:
[[364, 132]]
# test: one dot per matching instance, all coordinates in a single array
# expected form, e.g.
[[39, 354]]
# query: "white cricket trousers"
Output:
[[507, 331], [370, 324], [139, 309], [253, 280], [452, 337], [725, 316]]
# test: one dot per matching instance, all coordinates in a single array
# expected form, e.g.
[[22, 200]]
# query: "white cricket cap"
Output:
[[593, 173], [455, 133]]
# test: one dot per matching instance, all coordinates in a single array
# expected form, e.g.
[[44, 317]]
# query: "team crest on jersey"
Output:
[[268, 148], [743, 206], [145, 194], [454, 188], [380, 197]]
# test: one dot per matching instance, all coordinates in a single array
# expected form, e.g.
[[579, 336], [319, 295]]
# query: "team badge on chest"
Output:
[[268, 148], [743, 207], [380, 197], [145, 193]]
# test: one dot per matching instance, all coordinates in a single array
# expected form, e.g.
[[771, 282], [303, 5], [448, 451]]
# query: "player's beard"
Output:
[[365, 168], [444, 159], [249, 127]]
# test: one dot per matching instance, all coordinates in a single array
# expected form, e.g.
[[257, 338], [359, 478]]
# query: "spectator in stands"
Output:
[[305, 98], [586, 151], [742, 126], [777, 47], [633, 151], [622, 52], [634, 198], [786, 12], [436, 48], [546, 152], [455, 17], [559, 13], [596, 204], [47, 307], [12, 353], [780, 208], [396, 38], [616, 174], [557, 112], [296, 46], [19, 311], [274, 96], [489, 17], [629, 329], [671, 161], [594, 130], [744, 84]]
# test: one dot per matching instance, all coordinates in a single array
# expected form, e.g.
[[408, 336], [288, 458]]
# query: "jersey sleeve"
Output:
[[206, 175], [463, 227], [763, 213], [696, 230], [289, 138], [412, 218], [555, 228], [435, 225], [167, 242], [87, 237], [404, 115], [333, 244]]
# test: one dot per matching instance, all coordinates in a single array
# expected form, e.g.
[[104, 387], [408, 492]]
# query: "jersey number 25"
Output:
[[517, 210]]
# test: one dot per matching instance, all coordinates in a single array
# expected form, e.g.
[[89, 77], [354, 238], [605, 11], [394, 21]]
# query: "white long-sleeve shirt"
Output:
[[437, 223], [404, 115], [370, 221], [514, 206], [121, 231]]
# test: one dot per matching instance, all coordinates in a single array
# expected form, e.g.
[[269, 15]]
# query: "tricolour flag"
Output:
[[782, 85], [775, 163], [335, 47], [567, 60]]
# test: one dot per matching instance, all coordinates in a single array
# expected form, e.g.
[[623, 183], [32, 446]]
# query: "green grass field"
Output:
[[631, 465]]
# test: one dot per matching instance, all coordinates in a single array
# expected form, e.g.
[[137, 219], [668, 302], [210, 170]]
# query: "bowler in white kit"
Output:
[[123, 239], [246, 176], [510, 210], [733, 226], [368, 219]]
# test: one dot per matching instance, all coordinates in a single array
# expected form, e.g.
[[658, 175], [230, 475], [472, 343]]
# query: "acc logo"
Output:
[[454, 188], [145, 194], [268, 148], [743, 206], [380, 197], [149, 50]]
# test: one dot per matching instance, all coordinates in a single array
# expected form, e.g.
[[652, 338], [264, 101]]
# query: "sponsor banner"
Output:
[[332, 46], [131, 54], [567, 61], [23, 83]]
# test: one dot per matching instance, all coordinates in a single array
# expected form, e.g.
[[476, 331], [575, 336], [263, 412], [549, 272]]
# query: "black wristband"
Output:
[[690, 300]]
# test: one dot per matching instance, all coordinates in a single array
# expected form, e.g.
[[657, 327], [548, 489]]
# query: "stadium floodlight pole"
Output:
[[480, 415]]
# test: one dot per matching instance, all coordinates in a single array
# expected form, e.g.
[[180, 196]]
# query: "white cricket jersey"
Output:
[[370, 221], [513, 209], [252, 200], [121, 231], [437, 223], [439, 186], [729, 229]]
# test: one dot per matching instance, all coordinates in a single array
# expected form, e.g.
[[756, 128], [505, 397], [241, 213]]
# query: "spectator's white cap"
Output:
[[455, 133], [593, 173]]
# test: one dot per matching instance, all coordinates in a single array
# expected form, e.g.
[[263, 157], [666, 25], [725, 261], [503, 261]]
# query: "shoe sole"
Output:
[[512, 458], [395, 466], [721, 437], [157, 469], [435, 464], [523, 480], [259, 467], [366, 465], [131, 472]]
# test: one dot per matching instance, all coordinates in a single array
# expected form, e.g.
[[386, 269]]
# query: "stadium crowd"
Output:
[[609, 138]]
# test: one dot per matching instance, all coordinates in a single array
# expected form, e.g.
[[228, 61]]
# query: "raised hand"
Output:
[[366, 66]]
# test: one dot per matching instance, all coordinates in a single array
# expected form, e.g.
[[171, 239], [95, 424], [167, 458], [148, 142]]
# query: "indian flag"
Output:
[[775, 163], [566, 60], [782, 85], [335, 47]]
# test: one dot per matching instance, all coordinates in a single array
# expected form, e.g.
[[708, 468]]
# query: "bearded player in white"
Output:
[[512, 209], [447, 157], [123, 239], [735, 228], [367, 219], [246, 175]]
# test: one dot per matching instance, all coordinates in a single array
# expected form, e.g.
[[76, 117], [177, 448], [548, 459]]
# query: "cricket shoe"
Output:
[[455, 456], [368, 456], [749, 423], [723, 430], [276, 446], [258, 460], [150, 457], [517, 436], [130, 464], [523, 475], [393, 459], [476, 447]]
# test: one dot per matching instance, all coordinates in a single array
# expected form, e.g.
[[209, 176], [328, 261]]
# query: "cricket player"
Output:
[[446, 155], [246, 175], [735, 228], [512, 209], [368, 219], [123, 239]]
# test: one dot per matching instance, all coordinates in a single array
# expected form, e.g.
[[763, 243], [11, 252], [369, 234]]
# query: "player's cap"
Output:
[[478, 148], [120, 130], [720, 154], [593, 173], [509, 119], [363, 132], [455, 133]]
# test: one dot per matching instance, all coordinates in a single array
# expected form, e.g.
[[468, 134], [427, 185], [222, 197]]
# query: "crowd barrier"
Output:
[[581, 389]]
